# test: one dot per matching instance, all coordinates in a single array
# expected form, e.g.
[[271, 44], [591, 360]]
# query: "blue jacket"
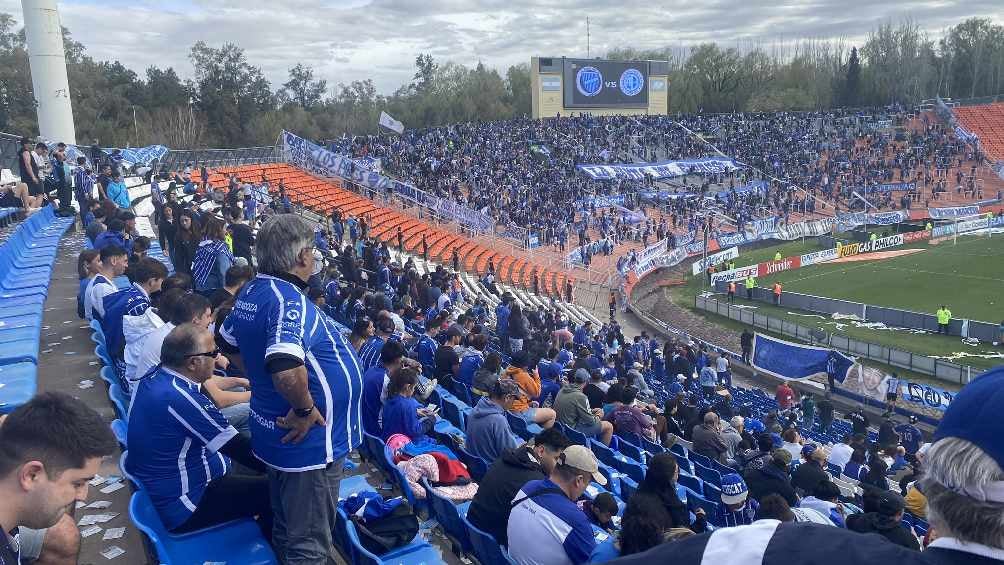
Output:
[[488, 433], [119, 194], [400, 416]]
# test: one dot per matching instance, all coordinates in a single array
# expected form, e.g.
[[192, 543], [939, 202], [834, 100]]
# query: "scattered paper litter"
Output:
[[99, 504], [112, 488], [85, 384], [113, 533], [97, 480], [112, 552], [89, 531]]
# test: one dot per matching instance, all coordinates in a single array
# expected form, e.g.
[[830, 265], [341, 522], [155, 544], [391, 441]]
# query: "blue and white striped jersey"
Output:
[[273, 318], [175, 434]]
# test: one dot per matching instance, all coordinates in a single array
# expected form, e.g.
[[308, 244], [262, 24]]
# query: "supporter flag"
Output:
[[540, 151], [793, 361], [390, 123]]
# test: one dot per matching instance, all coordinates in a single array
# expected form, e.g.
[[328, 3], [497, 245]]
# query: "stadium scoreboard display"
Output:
[[603, 84], [566, 86]]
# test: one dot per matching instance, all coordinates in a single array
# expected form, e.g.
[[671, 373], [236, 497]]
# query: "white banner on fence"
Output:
[[819, 256], [656, 249], [675, 257], [735, 274], [886, 242], [811, 228], [716, 259], [390, 123], [953, 212], [972, 225]]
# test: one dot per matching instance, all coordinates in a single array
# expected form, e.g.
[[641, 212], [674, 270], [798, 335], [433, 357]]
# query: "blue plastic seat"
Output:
[[476, 466], [698, 458], [628, 487], [575, 436], [708, 475], [486, 549], [630, 449], [17, 351], [19, 385], [691, 482], [679, 450], [353, 485], [632, 469], [120, 399], [418, 552], [121, 432], [712, 510], [603, 453], [652, 447], [239, 541], [450, 516]]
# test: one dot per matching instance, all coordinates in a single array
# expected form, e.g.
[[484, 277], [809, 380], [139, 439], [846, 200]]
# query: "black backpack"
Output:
[[394, 530]]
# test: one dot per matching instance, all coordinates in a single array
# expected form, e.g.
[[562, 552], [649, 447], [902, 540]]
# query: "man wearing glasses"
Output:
[[306, 389], [181, 445]]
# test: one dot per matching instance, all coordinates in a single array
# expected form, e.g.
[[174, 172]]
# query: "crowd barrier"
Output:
[[942, 370], [983, 331]]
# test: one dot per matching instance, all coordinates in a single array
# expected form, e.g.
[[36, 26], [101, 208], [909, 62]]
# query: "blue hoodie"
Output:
[[488, 433]]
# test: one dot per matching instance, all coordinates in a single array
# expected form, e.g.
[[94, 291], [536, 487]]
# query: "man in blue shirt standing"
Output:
[[180, 443], [306, 386], [910, 437]]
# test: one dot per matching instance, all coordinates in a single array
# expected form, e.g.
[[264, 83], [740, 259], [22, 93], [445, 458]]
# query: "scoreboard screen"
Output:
[[591, 83]]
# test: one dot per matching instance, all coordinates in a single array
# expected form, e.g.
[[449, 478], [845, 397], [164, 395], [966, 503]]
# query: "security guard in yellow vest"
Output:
[[944, 317], [750, 284]]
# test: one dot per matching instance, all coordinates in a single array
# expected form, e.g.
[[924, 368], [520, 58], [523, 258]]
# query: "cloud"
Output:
[[379, 39]]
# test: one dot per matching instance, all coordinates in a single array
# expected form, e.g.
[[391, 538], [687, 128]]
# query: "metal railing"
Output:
[[179, 159], [942, 370]]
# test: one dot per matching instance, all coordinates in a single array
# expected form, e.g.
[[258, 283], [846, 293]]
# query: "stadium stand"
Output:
[[26, 260]]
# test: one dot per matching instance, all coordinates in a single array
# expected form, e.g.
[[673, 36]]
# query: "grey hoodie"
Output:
[[488, 433]]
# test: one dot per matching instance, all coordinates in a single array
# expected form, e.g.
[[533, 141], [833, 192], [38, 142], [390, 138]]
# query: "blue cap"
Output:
[[778, 442], [974, 415], [753, 426], [734, 489]]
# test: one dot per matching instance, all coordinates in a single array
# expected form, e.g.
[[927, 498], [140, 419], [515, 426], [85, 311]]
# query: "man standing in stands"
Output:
[[777, 293], [750, 285], [732, 292], [944, 317], [305, 389], [746, 343]]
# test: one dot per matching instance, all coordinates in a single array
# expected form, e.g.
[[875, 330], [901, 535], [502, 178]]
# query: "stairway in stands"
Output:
[[325, 195]]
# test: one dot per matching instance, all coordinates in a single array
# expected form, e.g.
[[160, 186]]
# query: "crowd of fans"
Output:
[[277, 345], [806, 159], [283, 366]]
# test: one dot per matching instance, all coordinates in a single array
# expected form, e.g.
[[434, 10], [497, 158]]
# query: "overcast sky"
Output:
[[345, 40]]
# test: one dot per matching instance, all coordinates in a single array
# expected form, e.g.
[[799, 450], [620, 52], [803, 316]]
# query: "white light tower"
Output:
[[48, 70]]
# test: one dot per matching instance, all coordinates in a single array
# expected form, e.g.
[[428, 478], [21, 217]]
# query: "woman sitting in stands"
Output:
[[402, 414]]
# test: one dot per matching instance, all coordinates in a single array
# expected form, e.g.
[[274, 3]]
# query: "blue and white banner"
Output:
[[953, 212], [731, 239], [369, 163], [141, 155], [847, 221], [998, 168], [882, 188], [661, 170], [672, 258], [932, 397], [715, 259], [966, 135], [794, 361]]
